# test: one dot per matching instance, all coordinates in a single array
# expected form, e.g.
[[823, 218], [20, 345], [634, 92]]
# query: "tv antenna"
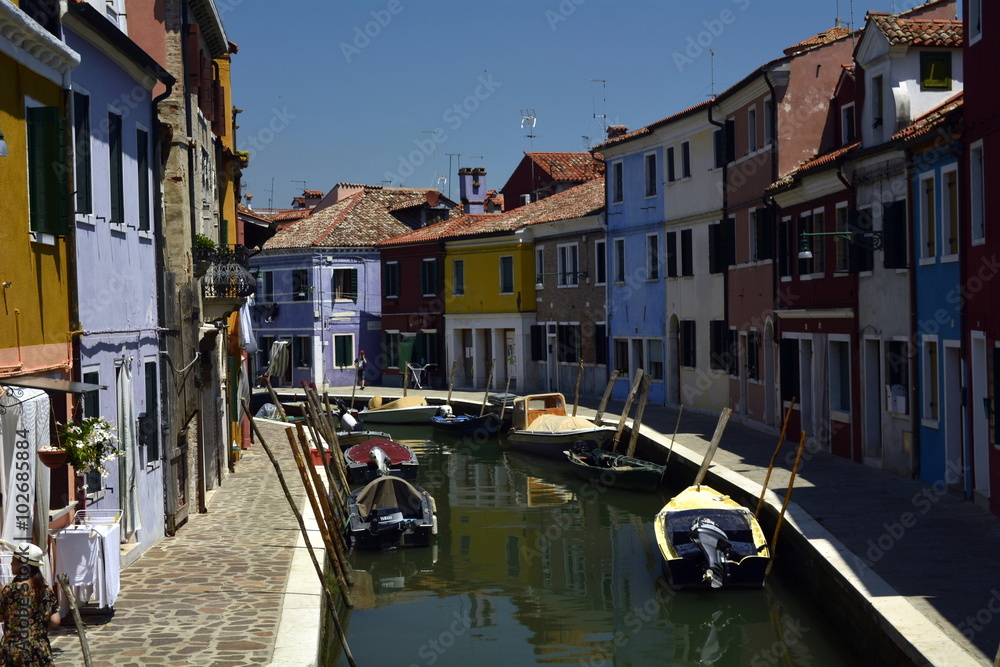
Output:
[[529, 119], [603, 116], [302, 182], [270, 199], [712, 82]]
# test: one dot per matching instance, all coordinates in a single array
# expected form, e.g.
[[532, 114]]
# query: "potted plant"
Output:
[[89, 445]]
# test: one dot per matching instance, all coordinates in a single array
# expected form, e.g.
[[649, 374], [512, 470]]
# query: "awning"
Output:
[[51, 384]]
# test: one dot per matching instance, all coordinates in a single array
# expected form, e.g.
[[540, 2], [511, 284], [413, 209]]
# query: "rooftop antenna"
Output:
[[603, 116], [302, 182], [270, 199], [450, 172], [712, 84], [530, 119]]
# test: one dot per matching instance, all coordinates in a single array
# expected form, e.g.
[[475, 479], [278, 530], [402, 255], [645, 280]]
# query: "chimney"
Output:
[[616, 131], [472, 189]]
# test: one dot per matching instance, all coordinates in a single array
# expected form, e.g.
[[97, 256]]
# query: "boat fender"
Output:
[[349, 422], [445, 411]]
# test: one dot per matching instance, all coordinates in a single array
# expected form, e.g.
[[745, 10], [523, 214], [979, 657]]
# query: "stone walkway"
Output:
[[212, 594]]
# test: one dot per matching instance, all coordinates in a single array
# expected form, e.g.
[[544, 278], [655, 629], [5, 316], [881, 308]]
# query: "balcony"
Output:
[[226, 280]]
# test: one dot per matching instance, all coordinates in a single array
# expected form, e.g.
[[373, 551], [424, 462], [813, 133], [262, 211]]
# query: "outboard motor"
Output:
[[714, 543], [387, 524], [380, 459]]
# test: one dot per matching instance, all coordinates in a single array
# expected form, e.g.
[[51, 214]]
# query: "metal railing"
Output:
[[228, 272]]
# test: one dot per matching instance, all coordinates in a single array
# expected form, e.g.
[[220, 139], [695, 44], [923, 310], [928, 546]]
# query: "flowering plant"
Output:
[[89, 444]]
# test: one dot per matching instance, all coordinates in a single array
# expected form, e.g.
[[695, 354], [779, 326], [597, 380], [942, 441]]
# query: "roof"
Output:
[[568, 166], [926, 123], [825, 37], [359, 220], [918, 32], [576, 202], [648, 129]]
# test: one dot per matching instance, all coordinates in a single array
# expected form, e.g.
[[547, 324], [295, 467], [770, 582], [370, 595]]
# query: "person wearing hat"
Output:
[[28, 608], [360, 364]]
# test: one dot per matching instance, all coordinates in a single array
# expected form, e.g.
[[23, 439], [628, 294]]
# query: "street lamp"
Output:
[[869, 239]]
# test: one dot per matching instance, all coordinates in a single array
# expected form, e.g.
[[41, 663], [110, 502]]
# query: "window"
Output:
[[300, 285], [390, 347], [116, 172], [617, 186], [752, 129], [652, 257], [929, 382], [686, 159], [719, 352], [538, 342], [949, 212], [761, 235], [842, 261], [721, 245], [92, 408], [807, 266], [928, 222], [840, 376], [789, 360], [818, 227], [600, 262], [654, 353], [507, 274], [651, 175], [786, 241], [264, 352], [619, 260], [568, 343], [345, 284], [897, 376], [935, 70], [621, 356], [539, 266], [81, 150], [877, 101], [601, 344], [688, 344], [862, 256], [671, 254], [142, 177], [429, 277], [425, 348], [975, 21], [847, 127], [568, 266], [303, 351], [48, 205], [687, 252], [768, 122], [894, 237], [391, 280], [977, 192], [753, 355], [149, 421], [343, 350], [719, 146], [458, 282], [267, 291], [671, 174]]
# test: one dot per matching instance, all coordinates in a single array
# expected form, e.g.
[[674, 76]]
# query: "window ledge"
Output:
[[146, 234], [43, 239], [119, 227], [929, 423]]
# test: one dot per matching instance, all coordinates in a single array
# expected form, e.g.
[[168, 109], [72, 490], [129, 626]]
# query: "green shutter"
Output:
[[48, 195]]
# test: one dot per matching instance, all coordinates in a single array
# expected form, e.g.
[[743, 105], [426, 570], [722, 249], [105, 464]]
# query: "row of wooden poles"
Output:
[[328, 501]]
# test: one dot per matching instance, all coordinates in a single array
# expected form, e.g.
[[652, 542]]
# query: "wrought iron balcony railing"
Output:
[[227, 275]]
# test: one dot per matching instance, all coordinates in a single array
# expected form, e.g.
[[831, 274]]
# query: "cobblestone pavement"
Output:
[[211, 594]]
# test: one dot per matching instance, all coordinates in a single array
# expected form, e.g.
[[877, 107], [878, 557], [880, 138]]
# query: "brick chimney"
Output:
[[472, 189], [616, 131]]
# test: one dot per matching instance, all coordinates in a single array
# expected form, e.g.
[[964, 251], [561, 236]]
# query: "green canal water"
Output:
[[533, 565]]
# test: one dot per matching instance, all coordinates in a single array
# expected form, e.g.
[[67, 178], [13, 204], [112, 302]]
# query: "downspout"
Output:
[[775, 278], [725, 217], [911, 363]]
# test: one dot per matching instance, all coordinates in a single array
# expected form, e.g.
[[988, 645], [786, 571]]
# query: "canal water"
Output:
[[533, 565]]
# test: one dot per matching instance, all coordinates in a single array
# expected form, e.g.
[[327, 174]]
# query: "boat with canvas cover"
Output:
[[405, 410], [541, 426], [391, 512], [708, 540], [611, 469]]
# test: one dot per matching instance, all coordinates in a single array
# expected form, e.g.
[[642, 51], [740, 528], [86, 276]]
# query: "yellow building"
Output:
[[35, 272]]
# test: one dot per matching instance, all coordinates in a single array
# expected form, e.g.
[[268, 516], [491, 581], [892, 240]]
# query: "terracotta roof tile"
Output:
[[918, 32], [579, 201], [932, 119], [817, 162], [568, 166], [825, 37]]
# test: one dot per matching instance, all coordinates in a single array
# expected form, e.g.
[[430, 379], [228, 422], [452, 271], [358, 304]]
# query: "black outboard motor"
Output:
[[714, 545], [387, 524]]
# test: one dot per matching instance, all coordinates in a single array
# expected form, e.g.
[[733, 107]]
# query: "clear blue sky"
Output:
[[368, 92]]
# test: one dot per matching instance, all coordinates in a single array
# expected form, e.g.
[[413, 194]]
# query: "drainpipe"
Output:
[[725, 218], [774, 208]]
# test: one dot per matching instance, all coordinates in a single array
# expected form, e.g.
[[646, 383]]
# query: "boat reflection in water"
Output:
[[536, 566]]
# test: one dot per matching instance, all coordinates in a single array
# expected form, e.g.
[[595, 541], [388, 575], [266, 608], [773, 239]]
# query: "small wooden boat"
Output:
[[708, 540], [405, 410], [468, 425], [390, 512], [541, 426], [610, 469], [379, 457]]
